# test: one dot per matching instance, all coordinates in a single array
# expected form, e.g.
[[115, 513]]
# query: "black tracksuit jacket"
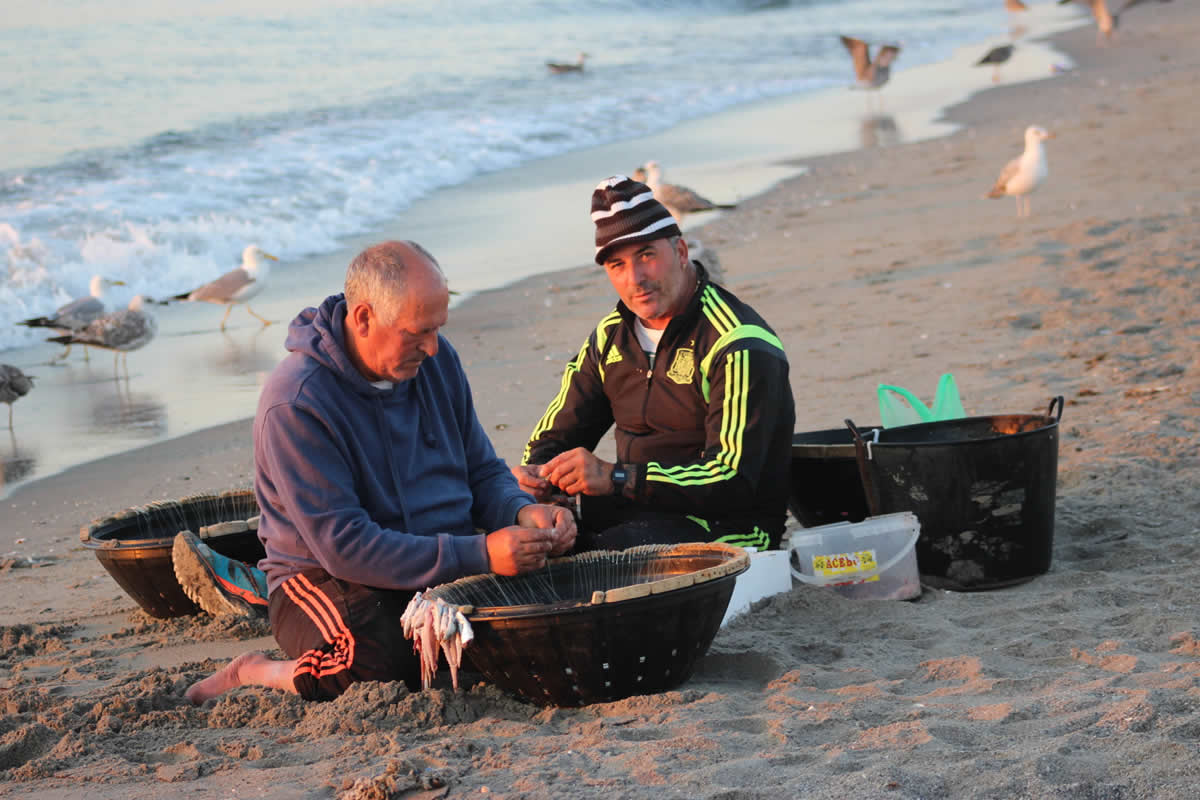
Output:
[[706, 433]]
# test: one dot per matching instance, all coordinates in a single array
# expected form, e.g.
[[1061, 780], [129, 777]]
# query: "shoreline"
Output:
[[881, 265], [212, 380]]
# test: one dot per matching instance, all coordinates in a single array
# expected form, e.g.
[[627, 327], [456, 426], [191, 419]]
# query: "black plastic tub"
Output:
[[134, 545], [983, 489], [826, 486]]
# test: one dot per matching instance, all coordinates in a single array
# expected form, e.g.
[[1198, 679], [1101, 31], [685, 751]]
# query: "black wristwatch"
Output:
[[618, 478]]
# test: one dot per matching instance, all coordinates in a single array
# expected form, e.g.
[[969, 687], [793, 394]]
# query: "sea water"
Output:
[[150, 142]]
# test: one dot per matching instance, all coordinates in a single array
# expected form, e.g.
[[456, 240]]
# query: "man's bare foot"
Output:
[[237, 672]]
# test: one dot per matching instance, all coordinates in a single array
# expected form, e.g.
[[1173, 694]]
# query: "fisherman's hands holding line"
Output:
[[560, 520], [530, 481], [577, 471], [542, 531]]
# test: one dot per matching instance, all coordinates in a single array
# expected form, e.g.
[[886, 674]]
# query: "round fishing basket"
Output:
[[599, 626], [134, 545]]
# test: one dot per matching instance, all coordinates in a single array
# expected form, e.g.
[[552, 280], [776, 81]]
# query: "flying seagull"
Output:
[[76, 314], [871, 74], [996, 56], [679, 200], [119, 331], [236, 286], [1026, 172], [14, 385], [560, 67]]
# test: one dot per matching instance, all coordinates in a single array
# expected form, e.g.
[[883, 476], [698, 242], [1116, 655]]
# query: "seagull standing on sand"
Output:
[[996, 56], [236, 286], [76, 314], [119, 331], [870, 74], [1025, 173], [679, 200], [558, 68], [14, 385]]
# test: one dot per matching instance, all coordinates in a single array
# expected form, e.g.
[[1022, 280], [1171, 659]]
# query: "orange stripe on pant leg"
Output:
[[328, 621], [302, 595], [340, 630]]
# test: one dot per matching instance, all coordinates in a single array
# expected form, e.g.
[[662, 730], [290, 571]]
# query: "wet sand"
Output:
[[883, 265]]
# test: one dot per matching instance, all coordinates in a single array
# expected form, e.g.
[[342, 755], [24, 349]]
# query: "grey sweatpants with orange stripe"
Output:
[[341, 633]]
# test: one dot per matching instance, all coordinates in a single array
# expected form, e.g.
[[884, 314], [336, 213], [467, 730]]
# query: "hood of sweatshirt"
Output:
[[320, 334]]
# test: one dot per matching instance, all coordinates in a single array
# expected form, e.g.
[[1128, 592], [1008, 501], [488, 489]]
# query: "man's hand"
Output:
[[518, 549], [579, 471], [558, 519], [530, 481]]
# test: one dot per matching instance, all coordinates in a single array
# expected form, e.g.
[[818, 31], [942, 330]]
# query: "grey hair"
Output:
[[378, 276]]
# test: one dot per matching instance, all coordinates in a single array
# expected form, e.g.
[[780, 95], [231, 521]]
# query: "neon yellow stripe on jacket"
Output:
[[740, 332], [758, 539], [724, 464], [718, 311], [572, 369]]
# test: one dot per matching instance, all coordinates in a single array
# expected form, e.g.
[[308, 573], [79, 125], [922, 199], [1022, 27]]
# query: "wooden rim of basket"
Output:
[[737, 561], [205, 532]]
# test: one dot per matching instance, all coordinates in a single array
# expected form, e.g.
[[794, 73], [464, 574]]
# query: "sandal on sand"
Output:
[[220, 585]]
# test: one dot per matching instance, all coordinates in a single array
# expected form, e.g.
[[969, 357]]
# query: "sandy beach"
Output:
[[884, 264]]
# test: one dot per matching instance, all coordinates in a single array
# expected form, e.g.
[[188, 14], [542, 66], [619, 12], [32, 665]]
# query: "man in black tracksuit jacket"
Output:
[[696, 384]]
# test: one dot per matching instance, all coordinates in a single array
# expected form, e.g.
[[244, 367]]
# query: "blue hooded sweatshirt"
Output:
[[380, 487]]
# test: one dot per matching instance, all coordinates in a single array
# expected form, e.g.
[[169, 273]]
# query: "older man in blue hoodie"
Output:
[[374, 476]]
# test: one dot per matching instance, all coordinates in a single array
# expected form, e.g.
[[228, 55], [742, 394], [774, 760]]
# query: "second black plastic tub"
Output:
[[825, 486], [982, 487]]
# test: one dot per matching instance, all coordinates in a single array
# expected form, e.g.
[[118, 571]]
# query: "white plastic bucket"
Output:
[[875, 558]]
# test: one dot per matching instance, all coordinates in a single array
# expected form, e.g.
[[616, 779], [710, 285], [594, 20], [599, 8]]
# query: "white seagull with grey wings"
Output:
[[76, 314], [120, 331], [1026, 172], [14, 385], [236, 286], [679, 200]]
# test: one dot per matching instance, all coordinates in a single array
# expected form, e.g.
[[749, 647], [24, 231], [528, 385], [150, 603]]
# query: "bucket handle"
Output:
[[1057, 401], [861, 576], [862, 454]]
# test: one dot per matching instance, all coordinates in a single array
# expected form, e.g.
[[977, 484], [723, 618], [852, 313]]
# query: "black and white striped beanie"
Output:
[[625, 211]]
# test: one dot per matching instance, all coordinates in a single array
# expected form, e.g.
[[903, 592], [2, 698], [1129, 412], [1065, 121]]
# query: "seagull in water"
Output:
[[871, 74], [679, 200], [76, 314], [559, 68], [14, 385], [1025, 173], [236, 286], [119, 331]]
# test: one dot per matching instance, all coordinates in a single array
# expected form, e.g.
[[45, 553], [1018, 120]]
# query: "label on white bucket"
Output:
[[835, 564]]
